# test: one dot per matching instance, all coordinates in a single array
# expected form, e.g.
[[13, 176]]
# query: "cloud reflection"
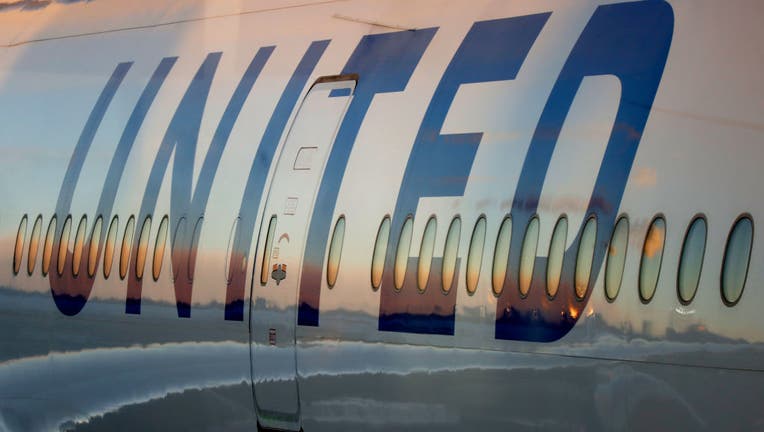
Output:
[[654, 241], [76, 386]]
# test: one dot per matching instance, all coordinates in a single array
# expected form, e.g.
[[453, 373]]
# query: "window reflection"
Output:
[[47, 249], [127, 245], [402, 254], [79, 245], [528, 255], [652, 256], [194, 249], [556, 255], [178, 236], [18, 250], [34, 245], [450, 252], [95, 243], [63, 245], [501, 255], [111, 242], [585, 256], [737, 257], [143, 246], [426, 252], [266, 262], [380, 250], [691, 261], [159, 247], [335, 252], [475, 255], [616, 258]]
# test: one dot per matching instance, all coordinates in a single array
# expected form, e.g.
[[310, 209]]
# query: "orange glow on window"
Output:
[[654, 241]]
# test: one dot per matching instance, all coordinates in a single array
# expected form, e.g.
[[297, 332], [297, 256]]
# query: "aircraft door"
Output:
[[283, 233]]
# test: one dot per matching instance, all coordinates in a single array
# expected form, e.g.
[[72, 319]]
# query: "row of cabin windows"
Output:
[[77, 249], [736, 261], [735, 265]]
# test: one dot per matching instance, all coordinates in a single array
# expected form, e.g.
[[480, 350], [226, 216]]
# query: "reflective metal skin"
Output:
[[234, 202]]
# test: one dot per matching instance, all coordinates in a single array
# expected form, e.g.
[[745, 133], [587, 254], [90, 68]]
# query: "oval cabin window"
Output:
[[34, 245], [501, 256], [380, 250], [652, 257], [79, 246], [450, 254], [475, 255], [426, 251], [528, 256], [95, 244], [555, 257], [737, 257], [616, 258], [194, 249], [18, 250], [691, 260], [180, 233], [232, 239], [127, 246], [402, 253], [266, 262], [108, 250], [63, 245], [335, 252], [47, 248], [159, 247], [585, 256], [143, 246]]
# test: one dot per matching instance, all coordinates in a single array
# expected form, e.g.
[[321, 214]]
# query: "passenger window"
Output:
[[180, 232], [266, 263], [652, 257], [47, 249], [402, 253], [229, 250], [191, 268], [501, 255], [691, 260], [79, 245], [335, 252], [450, 253], [108, 251], [95, 243], [426, 251], [616, 258], [143, 246], [63, 245], [159, 247], [556, 255], [528, 256], [127, 246], [585, 256], [737, 258], [475, 255], [380, 250], [18, 251], [34, 245]]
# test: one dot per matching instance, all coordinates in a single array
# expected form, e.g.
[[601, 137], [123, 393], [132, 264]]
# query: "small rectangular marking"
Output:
[[340, 92], [272, 336], [290, 206]]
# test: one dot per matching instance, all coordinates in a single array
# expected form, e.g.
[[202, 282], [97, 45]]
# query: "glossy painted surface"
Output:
[[291, 198], [464, 110]]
